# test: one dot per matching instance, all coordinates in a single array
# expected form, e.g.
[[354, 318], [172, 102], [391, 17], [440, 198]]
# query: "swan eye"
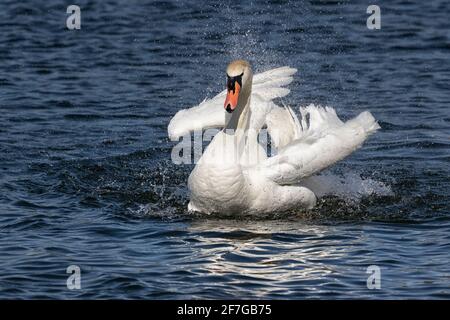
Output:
[[231, 81]]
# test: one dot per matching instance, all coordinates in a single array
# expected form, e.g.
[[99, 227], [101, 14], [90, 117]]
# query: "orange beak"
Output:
[[232, 98]]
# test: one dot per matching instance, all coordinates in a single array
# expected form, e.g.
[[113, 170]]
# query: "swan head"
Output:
[[239, 79]]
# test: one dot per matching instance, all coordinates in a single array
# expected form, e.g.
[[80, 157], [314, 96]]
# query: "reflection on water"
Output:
[[270, 257], [253, 255]]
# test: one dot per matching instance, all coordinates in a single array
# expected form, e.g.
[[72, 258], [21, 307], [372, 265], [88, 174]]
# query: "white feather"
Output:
[[252, 182], [324, 140], [211, 114]]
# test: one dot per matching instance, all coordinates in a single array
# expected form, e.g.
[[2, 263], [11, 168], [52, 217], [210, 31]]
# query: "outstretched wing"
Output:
[[208, 114], [269, 84], [211, 114], [282, 126], [280, 123], [321, 139]]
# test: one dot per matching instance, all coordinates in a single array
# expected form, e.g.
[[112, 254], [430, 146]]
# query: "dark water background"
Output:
[[85, 170]]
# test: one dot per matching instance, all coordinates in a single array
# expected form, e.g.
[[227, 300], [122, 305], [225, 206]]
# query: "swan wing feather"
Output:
[[322, 139], [210, 113]]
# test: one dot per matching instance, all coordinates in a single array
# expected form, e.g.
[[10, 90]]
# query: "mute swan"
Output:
[[234, 174]]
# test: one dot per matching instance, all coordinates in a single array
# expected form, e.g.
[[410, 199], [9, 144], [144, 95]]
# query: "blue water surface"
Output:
[[86, 177]]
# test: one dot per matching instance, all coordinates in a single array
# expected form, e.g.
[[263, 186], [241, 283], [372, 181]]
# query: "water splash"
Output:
[[350, 186]]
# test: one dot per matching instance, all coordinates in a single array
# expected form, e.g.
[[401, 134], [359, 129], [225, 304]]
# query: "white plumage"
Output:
[[235, 174]]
